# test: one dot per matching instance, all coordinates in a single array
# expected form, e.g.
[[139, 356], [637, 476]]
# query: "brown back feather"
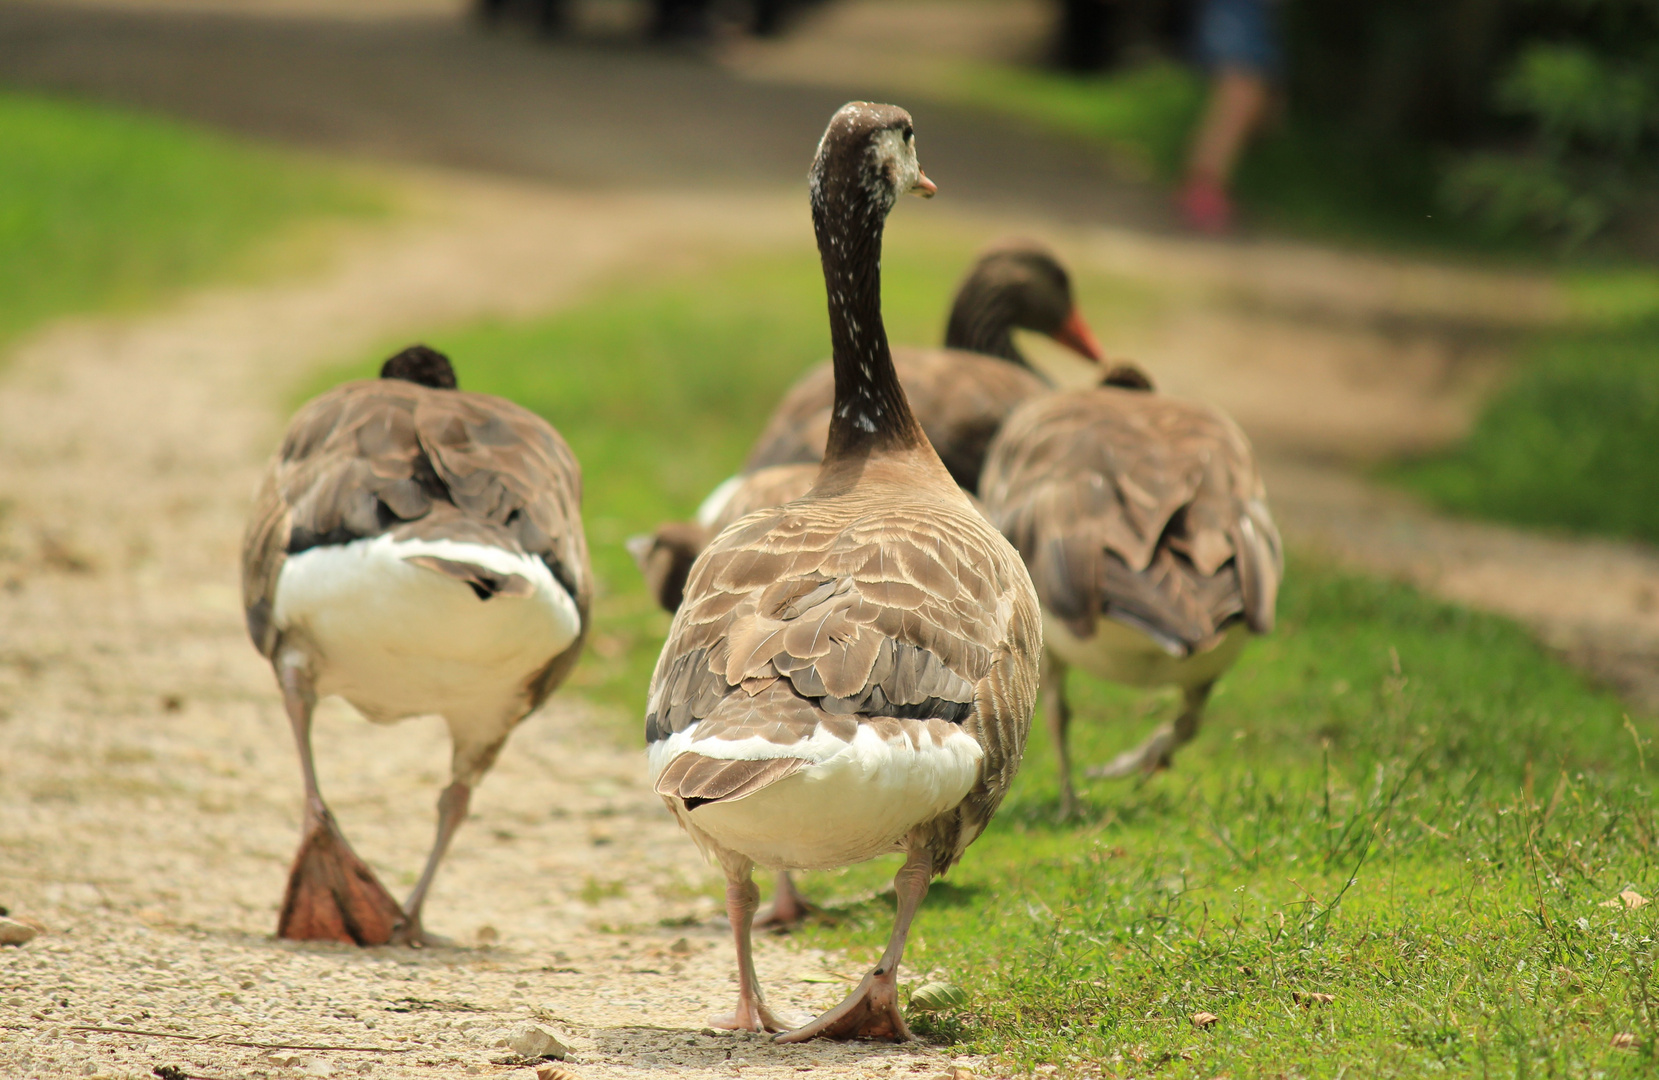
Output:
[[1139, 507], [866, 604]]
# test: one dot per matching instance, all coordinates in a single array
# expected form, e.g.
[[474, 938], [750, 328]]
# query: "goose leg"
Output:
[[332, 894], [452, 810], [1159, 748], [789, 908], [1057, 712], [871, 1011], [742, 898]]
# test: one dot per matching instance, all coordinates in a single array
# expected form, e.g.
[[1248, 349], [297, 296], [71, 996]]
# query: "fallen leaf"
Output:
[[934, 996], [1308, 998], [1629, 900], [1204, 1020], [1624, 1040]]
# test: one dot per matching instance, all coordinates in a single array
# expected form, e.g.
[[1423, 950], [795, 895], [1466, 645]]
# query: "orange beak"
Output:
[[924, 187], [1074, 333]]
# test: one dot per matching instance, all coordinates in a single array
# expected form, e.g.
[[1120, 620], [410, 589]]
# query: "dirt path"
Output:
[[147, 786]]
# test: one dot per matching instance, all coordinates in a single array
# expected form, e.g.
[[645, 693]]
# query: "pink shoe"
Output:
[[1206, 207]]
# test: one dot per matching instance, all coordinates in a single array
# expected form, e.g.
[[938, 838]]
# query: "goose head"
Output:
[[868, 156], [421, 364], [1017, 284], [664, 558]]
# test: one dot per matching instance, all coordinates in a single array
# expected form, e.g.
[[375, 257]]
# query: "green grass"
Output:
[[1298, 177], [1481, 798], [1401, 804], [106, 209], [1569, 442]]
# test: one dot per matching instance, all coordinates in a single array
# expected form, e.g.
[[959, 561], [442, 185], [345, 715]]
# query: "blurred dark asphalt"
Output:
[[444, 92]]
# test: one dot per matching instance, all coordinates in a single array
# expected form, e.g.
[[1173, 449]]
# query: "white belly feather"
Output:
[[1122, 654], [856, 800], [397, 640]]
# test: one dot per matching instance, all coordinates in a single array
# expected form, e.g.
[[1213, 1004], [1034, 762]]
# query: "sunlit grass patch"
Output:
[[1405, 806], [1567, 443], [104, 208]]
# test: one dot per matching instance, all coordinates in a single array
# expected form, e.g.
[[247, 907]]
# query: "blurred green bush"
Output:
[[1546, 111]]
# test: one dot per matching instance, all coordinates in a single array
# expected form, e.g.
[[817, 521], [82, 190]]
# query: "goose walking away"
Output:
[[1144, 523], [960, 394], [415, 550], [852, 673]]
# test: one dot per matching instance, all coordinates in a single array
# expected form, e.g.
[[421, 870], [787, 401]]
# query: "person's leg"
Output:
[[1238, 101], [1238, 43]]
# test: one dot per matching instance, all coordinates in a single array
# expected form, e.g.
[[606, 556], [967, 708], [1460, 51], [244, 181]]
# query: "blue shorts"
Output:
[[1239, 34]]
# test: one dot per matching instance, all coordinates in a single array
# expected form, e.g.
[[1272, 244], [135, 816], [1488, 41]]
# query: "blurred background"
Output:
[[1410, 245]]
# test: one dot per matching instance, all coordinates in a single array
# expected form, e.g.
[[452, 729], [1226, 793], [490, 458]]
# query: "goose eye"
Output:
[[909, 134]]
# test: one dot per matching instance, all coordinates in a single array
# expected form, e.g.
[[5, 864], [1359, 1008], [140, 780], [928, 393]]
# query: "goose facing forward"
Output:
[[1144, 523], [414, 550], [852, 673]]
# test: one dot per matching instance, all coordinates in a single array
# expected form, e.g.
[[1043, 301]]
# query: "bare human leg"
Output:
[[871, 1011], [742, 898], [332, 894], [789, 908], [1057, 712], [1238, 103], [1159, 748]]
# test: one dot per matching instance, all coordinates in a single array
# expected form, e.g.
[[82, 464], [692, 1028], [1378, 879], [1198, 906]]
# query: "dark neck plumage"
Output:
[[982, 321], [871, 412]]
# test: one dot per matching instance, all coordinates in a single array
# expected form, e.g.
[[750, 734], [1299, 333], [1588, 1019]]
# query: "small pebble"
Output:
[[13, 932], [536, 1041]]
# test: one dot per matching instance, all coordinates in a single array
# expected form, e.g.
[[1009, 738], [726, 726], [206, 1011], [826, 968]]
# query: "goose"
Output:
[[957, 393], [1144, 522], [852, 673], [415, 550], [961, 393]]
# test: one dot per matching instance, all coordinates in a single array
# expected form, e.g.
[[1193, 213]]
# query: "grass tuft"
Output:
[[1568, 443]]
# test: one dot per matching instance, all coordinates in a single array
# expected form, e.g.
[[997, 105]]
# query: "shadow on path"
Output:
[[442, 91]]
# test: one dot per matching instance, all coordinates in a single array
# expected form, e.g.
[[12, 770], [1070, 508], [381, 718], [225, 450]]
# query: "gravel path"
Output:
[[148, 790]]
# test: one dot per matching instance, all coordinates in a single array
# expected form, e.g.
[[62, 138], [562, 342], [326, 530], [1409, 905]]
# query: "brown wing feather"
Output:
[[389, 456], [698, 779], [873, 605], [1138, 507], [960, 399]]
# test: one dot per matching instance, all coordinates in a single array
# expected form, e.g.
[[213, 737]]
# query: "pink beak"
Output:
[[924, 187], [1074, 333]]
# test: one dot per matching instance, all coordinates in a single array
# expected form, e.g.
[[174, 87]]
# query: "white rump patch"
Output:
[[396, 639], [853, 801], [709, 511]]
